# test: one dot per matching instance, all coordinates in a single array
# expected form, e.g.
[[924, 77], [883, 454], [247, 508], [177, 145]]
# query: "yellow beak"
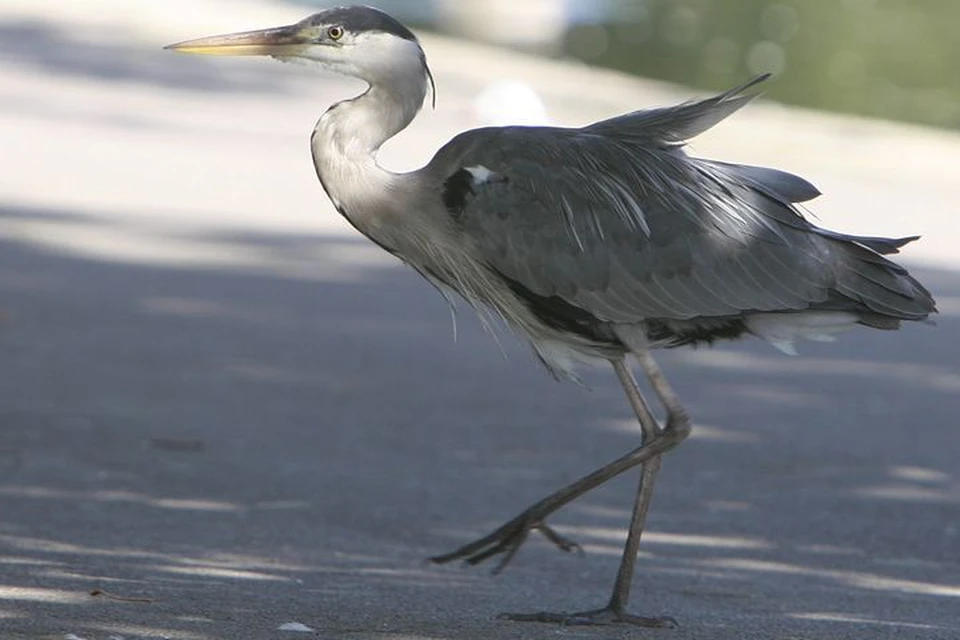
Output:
[[280, 41]]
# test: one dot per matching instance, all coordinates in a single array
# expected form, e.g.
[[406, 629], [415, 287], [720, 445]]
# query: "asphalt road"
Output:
[[242, 451], [220, 427]]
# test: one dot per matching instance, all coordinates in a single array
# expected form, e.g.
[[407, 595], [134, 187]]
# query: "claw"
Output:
[[508, 546], [507, 540], [564, 544]]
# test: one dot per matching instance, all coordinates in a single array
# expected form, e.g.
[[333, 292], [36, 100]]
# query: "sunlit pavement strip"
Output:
[[137, 141]]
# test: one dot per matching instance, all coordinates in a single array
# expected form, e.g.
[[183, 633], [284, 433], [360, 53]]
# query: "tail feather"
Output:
[[884, 288]]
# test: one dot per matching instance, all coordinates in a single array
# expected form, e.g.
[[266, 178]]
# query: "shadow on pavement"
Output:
[[51, 49], [221, 449]]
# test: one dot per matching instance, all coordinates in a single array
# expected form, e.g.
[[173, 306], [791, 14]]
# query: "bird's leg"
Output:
[[615, 611], [656, 441], [651, 429]]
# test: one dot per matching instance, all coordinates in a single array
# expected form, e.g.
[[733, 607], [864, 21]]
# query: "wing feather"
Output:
[[616, 220]]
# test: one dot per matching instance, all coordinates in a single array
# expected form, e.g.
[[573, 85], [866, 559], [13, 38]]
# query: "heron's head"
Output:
[[357, 41]]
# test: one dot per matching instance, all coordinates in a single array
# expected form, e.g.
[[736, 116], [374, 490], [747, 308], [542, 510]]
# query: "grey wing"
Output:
[[628, 233], [676, 124]]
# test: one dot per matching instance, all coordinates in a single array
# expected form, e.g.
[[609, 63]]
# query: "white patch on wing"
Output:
[[481, 175], [783, 329]]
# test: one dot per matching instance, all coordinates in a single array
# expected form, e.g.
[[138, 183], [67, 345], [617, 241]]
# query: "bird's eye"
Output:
[[335, 32]]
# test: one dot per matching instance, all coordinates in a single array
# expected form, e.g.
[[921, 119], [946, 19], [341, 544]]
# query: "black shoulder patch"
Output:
[[464, 183], [455, 191], [359, 19]]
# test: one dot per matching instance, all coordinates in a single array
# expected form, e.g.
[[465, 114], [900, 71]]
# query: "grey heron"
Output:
[[599, 242]]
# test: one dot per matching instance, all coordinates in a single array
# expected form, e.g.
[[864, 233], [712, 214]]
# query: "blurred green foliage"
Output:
[[895, 59]]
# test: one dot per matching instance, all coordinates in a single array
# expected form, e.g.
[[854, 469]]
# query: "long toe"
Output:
[[506, 541], [596, 617]]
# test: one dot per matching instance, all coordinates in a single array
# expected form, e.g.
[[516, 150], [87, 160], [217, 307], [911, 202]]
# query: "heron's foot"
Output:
[[506, 541], [598, 617]]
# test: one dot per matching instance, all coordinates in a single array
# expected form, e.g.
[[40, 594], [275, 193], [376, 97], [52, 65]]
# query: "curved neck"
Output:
[[347, 137], [359, 127]]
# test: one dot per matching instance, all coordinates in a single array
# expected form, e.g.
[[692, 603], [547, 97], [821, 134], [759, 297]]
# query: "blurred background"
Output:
[[882, 58]]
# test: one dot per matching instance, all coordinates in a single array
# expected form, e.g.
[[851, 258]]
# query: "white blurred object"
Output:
[[508, 102]]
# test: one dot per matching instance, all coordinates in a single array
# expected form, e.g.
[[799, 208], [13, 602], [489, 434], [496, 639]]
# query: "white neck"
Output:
[[348, 136]]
